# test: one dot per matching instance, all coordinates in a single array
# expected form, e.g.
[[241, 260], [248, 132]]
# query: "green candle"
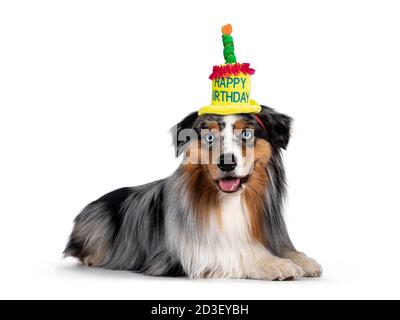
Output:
[[229, 48]]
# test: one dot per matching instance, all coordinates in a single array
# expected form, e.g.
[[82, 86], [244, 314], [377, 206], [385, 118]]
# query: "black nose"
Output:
[[227, 162]]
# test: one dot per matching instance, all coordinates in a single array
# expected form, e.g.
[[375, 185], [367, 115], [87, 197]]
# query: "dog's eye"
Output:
[[209, 138], [247, 134]]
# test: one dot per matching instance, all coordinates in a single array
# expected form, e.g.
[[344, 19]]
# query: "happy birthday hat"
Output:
[[230, 83]]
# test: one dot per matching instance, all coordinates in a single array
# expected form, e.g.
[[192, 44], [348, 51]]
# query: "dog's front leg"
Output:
[[269, 267], [310, 267]]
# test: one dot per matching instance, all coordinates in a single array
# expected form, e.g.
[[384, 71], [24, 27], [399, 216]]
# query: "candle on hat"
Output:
[[227, 40]]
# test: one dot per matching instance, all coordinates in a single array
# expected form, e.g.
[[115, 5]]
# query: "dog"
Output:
[[219, 215]]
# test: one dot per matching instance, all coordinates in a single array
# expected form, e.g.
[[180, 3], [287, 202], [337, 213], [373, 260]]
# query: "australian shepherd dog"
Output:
[[218, 216]]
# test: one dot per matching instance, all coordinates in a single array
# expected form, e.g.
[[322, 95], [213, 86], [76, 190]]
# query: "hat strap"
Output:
[[260, 122]]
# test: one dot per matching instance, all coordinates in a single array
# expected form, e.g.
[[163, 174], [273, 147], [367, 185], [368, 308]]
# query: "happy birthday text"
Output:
[[230, 95]]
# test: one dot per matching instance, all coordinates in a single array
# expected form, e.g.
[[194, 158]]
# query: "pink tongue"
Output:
[[229, 185]]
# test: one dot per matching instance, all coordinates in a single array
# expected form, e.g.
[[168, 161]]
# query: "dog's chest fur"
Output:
[[233, 228], [225, 248]]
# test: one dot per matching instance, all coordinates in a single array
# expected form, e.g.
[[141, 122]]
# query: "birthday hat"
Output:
[[230, 83]]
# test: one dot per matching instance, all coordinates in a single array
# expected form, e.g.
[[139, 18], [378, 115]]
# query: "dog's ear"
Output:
[[277, 126], [183, 132]]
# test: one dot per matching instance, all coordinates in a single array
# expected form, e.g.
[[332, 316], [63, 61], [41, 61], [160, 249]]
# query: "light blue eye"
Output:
[[247, 134], [209, 138]]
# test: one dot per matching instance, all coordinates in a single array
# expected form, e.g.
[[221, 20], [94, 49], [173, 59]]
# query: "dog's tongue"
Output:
[[229, 185]]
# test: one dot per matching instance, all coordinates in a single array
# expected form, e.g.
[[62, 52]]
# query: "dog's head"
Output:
[[230, 149]]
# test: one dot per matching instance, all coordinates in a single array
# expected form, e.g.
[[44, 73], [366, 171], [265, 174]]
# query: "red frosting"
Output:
[[227, 70]]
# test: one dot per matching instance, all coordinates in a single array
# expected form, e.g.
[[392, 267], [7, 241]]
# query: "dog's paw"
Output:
[[281, 269], [310, 267]]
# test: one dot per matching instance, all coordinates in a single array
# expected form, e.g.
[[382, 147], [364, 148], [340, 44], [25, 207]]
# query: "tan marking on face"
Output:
[[240, 125], [247, 152], [254, 192], [213, 125], [262, 151], [193, 153], [199, 153]]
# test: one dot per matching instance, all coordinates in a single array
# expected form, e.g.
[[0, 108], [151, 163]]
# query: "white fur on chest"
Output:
[[225, 248], [234, 228]]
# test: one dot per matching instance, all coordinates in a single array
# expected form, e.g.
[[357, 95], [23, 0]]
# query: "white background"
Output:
[[89, 90]]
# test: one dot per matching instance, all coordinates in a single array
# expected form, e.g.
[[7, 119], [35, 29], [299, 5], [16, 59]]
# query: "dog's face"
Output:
[[230, 148]]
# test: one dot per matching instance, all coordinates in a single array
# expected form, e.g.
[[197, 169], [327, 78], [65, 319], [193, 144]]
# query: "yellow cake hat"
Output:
[[231, 83]]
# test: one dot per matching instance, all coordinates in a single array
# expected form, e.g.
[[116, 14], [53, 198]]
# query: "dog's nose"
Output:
[[227, 162]]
